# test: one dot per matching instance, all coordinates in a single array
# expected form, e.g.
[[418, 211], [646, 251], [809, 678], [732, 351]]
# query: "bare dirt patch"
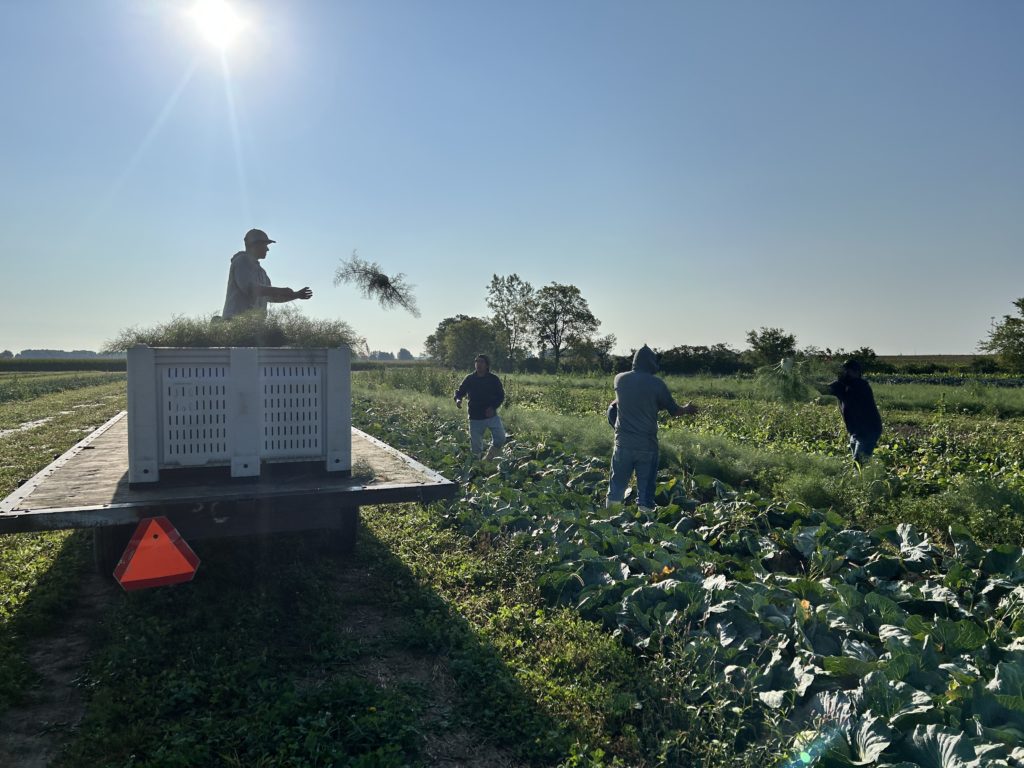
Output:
[[24, 427]]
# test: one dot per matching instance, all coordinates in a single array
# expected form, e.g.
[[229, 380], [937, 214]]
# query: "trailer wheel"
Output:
[[108, 544]]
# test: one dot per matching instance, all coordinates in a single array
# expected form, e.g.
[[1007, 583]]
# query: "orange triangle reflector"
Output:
[[156, 555]]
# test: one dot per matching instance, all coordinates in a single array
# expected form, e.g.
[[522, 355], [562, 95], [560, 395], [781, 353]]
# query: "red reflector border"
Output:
[[156, 556]]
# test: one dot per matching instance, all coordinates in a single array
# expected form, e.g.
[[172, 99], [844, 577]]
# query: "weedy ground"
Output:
[[439, 641], [948, 455]]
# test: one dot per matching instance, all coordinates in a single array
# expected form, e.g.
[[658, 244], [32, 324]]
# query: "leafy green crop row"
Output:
[[896, 646], [932, 467]]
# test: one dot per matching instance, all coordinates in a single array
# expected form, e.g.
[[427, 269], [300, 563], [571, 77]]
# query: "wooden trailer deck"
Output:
[[87, 487]]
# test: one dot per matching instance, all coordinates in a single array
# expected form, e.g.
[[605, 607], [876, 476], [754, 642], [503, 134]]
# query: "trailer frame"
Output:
[[88, 487]]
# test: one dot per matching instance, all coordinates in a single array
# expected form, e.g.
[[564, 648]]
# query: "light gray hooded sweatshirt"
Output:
[[640, 395]]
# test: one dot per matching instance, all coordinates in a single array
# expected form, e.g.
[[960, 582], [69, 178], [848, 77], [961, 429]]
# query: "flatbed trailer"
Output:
[[87, 487]]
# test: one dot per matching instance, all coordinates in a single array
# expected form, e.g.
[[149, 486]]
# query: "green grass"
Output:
[[38, 573], [247, 665]]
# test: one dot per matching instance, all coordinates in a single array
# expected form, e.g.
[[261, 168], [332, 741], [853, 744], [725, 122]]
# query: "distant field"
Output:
[[61, 364], [25, 385]]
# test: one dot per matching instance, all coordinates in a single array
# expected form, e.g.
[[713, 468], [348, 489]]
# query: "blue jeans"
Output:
[[862, 446], [476, 433], [626, 461]]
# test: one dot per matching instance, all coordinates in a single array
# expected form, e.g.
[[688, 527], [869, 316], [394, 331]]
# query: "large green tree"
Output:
[[562, 318], [434, 347], [770, 345], [459, 339], [591, 354], [1006, 339], [511, 301], [469, 338]]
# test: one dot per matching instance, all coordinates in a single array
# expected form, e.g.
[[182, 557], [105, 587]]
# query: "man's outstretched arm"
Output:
[[280, 295]]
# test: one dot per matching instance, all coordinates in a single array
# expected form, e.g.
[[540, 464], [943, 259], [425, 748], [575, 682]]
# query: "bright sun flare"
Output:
[[217, 21]]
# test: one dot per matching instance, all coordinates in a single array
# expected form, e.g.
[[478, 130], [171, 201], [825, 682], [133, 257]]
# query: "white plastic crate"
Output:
[[237, 407]]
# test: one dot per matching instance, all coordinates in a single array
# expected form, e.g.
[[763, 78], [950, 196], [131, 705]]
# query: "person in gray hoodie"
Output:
[[639, 395]]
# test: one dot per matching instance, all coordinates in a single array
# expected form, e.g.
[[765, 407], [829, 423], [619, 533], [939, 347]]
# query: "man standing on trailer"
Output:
[[249, 286], [860, 414], [639, 395], [485, 395]]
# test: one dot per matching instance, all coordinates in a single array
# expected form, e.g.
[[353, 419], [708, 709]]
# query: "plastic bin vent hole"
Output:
[[194, 405], [292, 405]]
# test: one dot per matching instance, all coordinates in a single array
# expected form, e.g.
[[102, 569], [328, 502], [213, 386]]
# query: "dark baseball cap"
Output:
[[257, 236]]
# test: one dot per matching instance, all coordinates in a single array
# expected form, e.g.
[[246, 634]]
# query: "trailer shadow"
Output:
[[474, 711], [282, 651], [45, 647]]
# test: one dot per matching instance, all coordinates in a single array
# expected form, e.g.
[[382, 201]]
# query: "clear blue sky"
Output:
[[851, 172]]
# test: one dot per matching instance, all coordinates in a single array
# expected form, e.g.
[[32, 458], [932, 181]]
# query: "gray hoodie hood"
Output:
[[645, 360]]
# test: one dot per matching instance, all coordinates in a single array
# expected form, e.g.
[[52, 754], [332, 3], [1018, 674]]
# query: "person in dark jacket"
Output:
[[860, 414], [485, 396], [639, 395]]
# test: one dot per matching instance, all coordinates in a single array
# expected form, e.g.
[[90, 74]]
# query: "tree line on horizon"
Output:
[[552, 329]]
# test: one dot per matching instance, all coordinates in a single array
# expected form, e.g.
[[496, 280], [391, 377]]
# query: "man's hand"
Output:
[[488, 412], [687, 410], [302, 293]]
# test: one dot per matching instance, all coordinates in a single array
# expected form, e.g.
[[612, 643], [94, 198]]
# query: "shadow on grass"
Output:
[[284, 652], [52, 563]]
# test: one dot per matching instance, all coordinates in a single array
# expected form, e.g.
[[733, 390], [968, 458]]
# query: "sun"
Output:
[[218, 22]]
